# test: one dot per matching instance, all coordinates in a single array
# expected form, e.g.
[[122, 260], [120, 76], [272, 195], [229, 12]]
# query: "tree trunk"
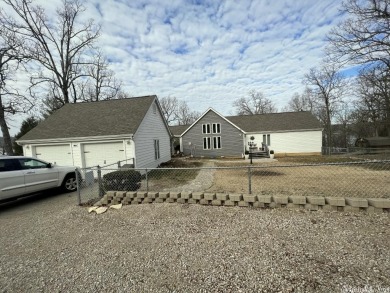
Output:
[[6, 136]]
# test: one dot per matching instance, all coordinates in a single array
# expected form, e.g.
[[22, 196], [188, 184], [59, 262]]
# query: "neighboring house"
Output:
[[132, 131], [214, 135]]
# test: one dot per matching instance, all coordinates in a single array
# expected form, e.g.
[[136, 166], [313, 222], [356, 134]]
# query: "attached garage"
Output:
[[60, 154], [103, 154]]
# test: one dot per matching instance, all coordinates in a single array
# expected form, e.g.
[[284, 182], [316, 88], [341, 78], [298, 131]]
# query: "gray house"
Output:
[[132, 131], [214, 135]]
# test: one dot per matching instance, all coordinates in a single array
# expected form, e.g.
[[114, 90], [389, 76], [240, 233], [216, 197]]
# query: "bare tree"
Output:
[[365, 36], [101, 83], [184, 115], [328, 87], [59, 44], [256, 103], [169, 106], [301, 102]]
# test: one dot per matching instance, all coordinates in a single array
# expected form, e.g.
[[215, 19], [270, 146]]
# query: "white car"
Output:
[[24, 175]]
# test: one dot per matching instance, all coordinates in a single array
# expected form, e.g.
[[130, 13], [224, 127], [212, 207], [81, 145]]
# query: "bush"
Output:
[[126, 180]]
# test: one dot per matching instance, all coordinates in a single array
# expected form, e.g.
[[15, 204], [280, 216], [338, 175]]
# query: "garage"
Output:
[[56, 154], [103, 154]]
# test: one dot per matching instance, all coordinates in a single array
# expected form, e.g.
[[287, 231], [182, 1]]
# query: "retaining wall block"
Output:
[[197, 195], [274, 205], [170, 200], [152, 194], [235, 197], [126, 201], [186, 195], [351, 209], [182, 200], [229, 203], [222, 196], [163, 195], [311, 207], [258, 204], [356, 202], [174, 195], [379, 203], [296, 199], [318, 200], [147, 200], [335, 201], [329, 208], [120, 195], [135, 201], [204, 202], [141, 194], [159, 200], [249, 198], [209, 196], [193, 201], [282, 199], [131, 194], [216, 202], [374, 210], [264, 198], [294, 206], [110, 194], [242, 203]]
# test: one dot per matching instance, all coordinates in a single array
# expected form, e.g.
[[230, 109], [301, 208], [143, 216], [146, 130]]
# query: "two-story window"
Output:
[[267, 139], [211, 142]]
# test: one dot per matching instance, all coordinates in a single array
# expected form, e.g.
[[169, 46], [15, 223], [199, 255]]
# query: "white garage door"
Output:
[[56, 154], [103, 154]]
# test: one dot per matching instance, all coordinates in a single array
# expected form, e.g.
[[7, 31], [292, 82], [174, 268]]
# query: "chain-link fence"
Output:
[[367, 179], [367, 153]]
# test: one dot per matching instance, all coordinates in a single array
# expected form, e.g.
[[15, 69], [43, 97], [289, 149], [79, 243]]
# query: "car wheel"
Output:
[[70, 183]]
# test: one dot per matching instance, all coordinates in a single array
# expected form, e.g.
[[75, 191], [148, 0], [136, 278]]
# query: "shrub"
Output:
[[124, 180]]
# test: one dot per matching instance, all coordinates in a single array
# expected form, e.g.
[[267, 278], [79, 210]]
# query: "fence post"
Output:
[[146, 178], [249, 180], [78, 186], [99, 173]]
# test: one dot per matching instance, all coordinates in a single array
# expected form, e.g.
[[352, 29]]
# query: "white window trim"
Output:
[[206, 127], [215, 145], [208, 142], [216, 128]]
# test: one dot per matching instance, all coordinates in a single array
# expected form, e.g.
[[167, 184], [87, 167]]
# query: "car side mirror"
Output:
[[49, 165]]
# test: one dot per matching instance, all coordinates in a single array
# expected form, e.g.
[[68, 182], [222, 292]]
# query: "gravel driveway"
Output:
[[52, 245]]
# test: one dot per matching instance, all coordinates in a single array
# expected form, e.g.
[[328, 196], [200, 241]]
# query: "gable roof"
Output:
[[177, 130], [103, 118], [288, 121]]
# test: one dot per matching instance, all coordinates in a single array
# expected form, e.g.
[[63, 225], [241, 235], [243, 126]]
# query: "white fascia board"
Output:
[[283, 131], [211, 109], [68, 139]]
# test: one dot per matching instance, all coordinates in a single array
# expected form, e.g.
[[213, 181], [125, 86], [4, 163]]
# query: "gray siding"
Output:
[[231, 138], [152, 127]]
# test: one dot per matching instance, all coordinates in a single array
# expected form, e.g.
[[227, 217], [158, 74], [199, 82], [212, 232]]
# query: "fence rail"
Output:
[[366, 178]]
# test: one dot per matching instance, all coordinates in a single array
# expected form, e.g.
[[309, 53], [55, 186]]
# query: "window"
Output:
[[206, 143], [32, 164], [206, 128], [8, 165], [216, 127], [267, 139], [216, 142], [156, 149]]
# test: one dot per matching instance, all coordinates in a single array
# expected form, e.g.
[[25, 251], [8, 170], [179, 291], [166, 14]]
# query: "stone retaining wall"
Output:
[[312, 203]]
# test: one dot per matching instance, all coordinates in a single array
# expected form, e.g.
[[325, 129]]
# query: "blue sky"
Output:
[[210, 53]]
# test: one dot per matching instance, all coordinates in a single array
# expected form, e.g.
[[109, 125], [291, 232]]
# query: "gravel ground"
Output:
[[52, 245]]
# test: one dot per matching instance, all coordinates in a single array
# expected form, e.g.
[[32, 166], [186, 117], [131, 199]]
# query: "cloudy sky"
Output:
[[210, 53]]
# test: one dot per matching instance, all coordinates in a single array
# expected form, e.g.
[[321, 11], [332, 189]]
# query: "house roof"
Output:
[[103, 118], [177, 130], [288, 121]]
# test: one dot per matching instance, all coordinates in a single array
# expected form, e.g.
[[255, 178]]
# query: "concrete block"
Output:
[[174, 195], [294, 206], [181, 200], [186, 195], [141, 194], [356, 202], [335, 201], [163, 195], [197, 195], [274, 205], [374, 210], [204, 202], [329, 208], [209, 196], [318, 200], [311, 207], [222, 196], [135, 201], [249, 198], [216, 202], [242, 203], [296, 199], [131, 194], [147, 200], [351, 209], [170, 200], [379, 203], [159, 200], [193, 201], [120, 195], [235, 197], [264, 198], [258, 204], [282, 199], [229, 203], [104, 201], [152, 194], [110, 194]]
